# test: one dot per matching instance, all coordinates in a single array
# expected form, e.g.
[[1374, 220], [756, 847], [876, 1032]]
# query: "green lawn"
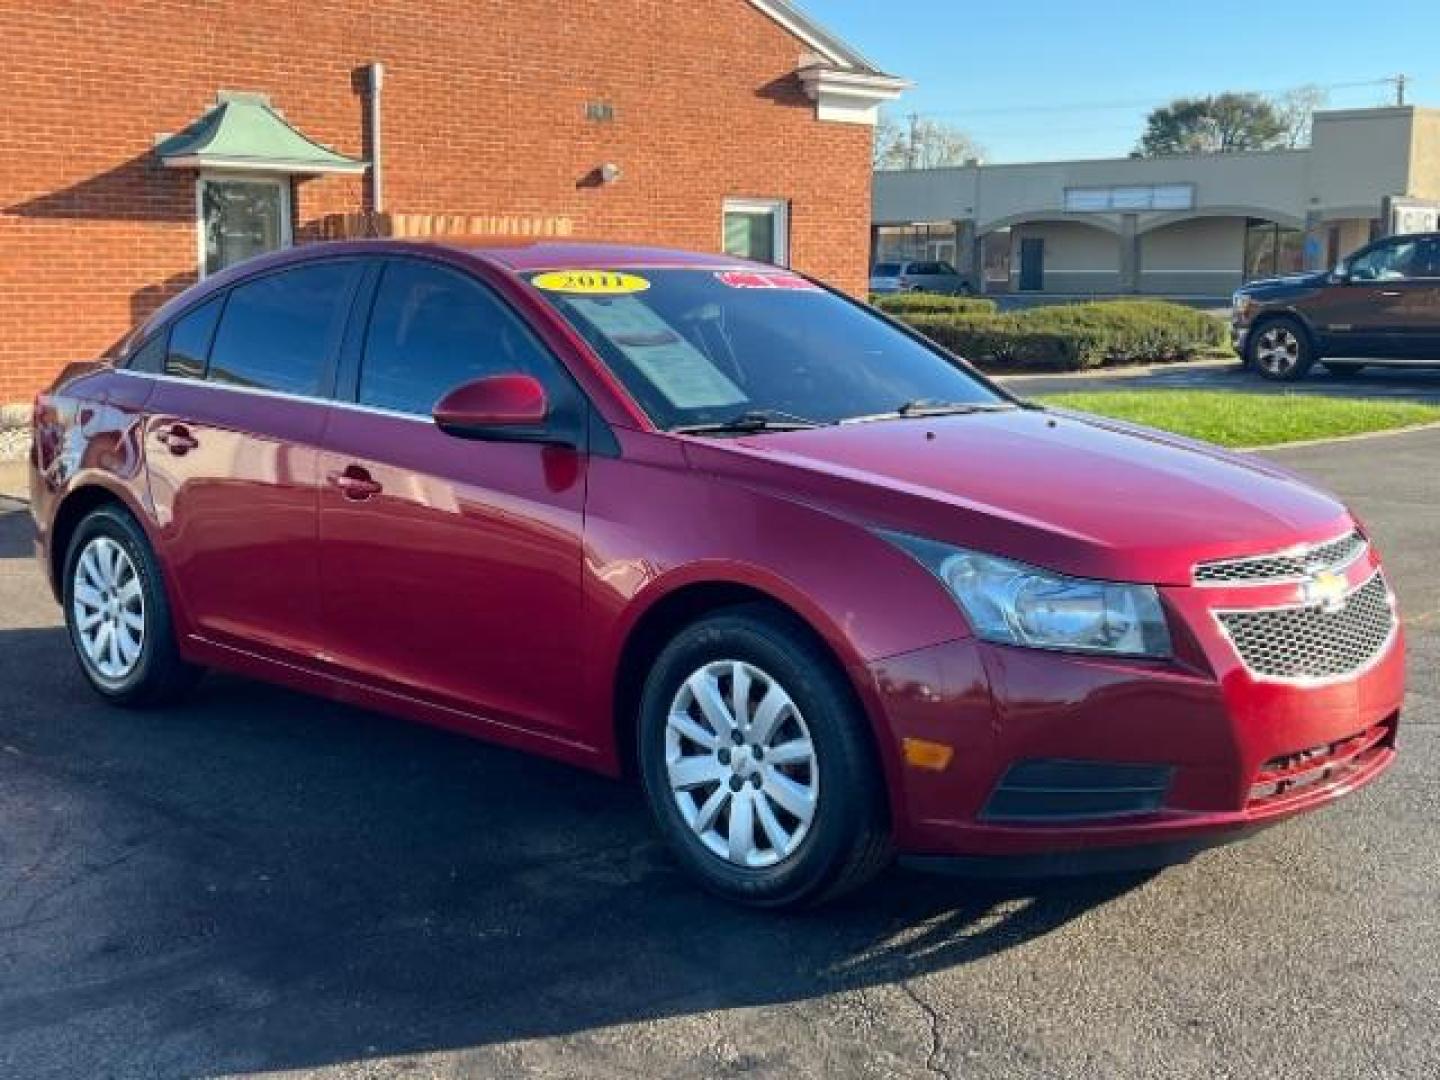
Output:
[[1232, 419]]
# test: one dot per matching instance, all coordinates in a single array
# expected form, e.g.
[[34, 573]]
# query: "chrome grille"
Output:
[[1284, 566], [1300, 644]]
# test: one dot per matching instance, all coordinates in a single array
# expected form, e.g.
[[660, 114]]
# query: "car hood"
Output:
[[1077, 494], [1288, 281]]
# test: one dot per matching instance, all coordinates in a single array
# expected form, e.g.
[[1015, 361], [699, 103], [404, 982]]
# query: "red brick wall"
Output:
[[484, 104]]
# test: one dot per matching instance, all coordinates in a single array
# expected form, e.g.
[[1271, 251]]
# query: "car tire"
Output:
[[965, 289], [118, 615], [1279, 349], [1344, 371], [749, 826]]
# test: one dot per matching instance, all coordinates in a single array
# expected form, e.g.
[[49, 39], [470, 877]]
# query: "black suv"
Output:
[[1381, 306]]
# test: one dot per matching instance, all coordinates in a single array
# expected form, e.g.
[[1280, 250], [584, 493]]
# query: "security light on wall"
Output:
[[609, 173]]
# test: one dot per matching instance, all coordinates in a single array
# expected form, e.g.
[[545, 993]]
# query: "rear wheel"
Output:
[[757, 763], [118, 615], [1280, 349], [1343, 371]]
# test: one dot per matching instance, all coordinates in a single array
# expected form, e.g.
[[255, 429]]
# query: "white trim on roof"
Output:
[[849, 97], [816, 36], [264, 165]]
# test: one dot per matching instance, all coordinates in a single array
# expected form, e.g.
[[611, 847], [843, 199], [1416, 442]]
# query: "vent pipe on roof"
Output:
[[374, 80]]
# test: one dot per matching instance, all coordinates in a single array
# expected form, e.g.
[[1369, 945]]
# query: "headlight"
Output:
[[1015, 604]]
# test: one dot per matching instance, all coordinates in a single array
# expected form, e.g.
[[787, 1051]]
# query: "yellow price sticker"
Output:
[[590, 282]]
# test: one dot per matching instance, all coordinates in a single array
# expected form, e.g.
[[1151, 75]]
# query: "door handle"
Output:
[[1392, 293], [355, 483], [177, 439]]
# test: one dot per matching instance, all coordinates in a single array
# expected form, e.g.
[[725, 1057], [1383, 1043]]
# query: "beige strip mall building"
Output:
[[1194, 225]]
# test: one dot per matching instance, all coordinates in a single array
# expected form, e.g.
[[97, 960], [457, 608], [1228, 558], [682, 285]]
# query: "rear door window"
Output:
[[150, 357], [190, 341], [433, 329], [279, 332]]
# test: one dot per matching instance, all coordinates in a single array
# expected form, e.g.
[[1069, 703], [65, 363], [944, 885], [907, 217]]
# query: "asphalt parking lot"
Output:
[[260, 882]]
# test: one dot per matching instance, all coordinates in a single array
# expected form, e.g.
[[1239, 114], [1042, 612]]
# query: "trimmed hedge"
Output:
[[901, 304], [1072, 337]]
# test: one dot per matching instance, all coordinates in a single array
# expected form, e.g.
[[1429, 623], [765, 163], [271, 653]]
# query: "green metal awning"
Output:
[[242, 132]]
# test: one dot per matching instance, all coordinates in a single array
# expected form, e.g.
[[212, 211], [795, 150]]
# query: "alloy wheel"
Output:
[[109, 609], [1277, 350], [741, 764]]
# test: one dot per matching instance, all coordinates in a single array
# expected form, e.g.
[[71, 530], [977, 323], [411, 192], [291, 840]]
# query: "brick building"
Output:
[[145, 144]]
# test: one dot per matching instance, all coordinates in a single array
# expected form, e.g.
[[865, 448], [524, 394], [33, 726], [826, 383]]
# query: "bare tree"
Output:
[[890, 144], [921, 143], [1296, 108]]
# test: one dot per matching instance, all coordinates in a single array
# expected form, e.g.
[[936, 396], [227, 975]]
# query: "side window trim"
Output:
[[224, 300], [346, 386]]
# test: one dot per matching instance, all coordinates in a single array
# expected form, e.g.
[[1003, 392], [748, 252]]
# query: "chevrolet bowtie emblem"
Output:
[[1325, 590]]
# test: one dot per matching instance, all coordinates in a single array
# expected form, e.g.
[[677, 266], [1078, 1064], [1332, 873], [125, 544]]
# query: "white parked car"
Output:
[[928, 277]]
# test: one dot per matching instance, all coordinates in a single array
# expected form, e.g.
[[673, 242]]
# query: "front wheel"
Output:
[[1280, 350], [757, 763], [118, 615]]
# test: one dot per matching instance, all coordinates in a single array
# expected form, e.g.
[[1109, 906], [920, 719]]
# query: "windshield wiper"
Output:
[[922, 407], [753, 420]]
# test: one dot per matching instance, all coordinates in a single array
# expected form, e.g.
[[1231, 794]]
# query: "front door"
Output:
[[1032, 264], [451, 568], [1384, 305], [232, 452]]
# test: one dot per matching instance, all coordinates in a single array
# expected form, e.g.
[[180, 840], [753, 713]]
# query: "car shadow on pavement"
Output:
[[260, 880]]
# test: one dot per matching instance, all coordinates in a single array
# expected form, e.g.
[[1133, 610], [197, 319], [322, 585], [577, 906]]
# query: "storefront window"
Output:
[[1272, 250], [240, 219], [910, 243]]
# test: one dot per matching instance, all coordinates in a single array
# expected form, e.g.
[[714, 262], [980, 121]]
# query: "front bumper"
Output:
[[1232, 751], [1238, 336]]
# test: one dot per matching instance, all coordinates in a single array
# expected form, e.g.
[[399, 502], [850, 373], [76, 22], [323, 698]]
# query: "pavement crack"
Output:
[[934, 1062]]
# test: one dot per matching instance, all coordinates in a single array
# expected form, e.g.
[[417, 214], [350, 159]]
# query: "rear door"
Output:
[[451, 568], [232, 449], [1413, 316]]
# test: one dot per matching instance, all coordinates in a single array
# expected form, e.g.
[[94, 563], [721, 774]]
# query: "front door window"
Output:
[[240, 219]]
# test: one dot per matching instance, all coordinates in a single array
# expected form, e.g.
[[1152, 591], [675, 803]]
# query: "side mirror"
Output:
[[1341, 274], [500, 408]]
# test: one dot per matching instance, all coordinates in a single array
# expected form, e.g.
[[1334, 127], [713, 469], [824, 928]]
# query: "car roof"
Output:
[[510, 256]]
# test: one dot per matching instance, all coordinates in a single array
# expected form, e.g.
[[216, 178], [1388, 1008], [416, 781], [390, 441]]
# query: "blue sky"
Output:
[[1049, 79]]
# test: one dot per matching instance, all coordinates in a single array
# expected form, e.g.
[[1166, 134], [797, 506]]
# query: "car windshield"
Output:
[[886, 270], [696, 347]]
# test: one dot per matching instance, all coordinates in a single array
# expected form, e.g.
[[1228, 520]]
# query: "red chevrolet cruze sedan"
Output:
[[828, 592]]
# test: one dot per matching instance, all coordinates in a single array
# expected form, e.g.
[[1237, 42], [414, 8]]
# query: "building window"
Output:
[[240, 219], [1272, 250], [1136, 197], [935, 241], [757, 229]]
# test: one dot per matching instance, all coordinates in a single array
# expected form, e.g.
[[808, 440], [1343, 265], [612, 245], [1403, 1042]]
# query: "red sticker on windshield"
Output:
[[765, 279]]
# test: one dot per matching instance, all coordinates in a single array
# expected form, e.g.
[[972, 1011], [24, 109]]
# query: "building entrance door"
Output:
[[1032, 264]]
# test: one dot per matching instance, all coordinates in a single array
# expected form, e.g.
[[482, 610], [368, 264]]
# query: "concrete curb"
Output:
[[1364, 436], [1116, 373]]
